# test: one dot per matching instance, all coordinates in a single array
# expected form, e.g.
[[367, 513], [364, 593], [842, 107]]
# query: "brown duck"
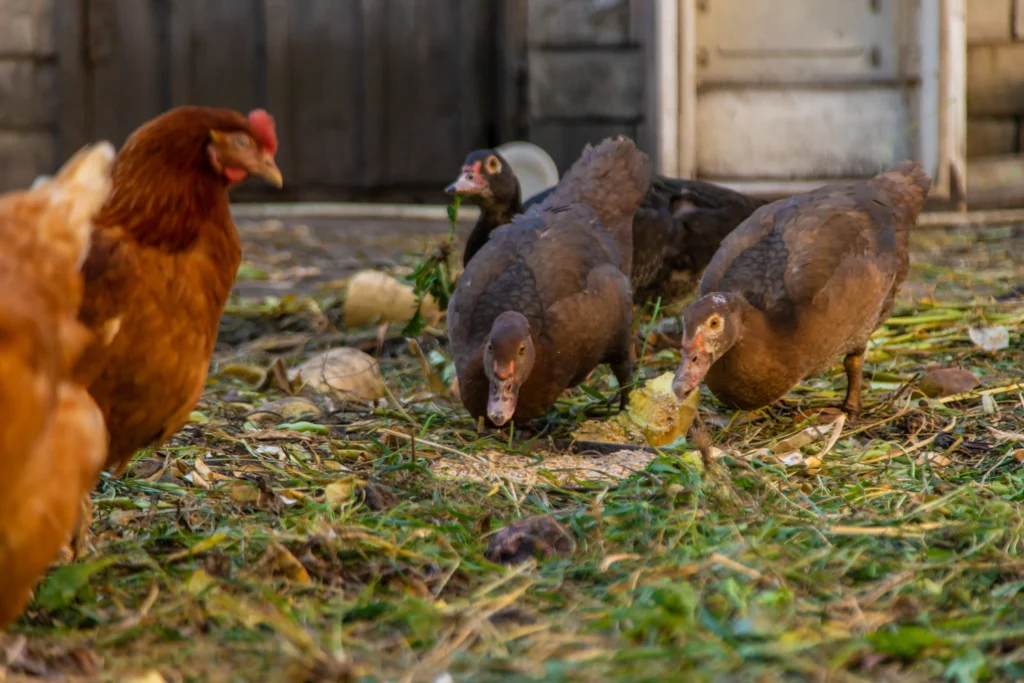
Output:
[[547, 298], [800, 283], [676, 230]]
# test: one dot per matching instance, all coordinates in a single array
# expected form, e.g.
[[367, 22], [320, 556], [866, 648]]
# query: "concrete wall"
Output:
[[995, 77], [28, 95]]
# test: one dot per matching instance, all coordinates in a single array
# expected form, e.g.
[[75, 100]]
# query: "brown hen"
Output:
[[163, 261], [52, 438]]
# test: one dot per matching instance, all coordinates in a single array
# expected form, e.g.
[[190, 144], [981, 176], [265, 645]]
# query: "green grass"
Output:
[[880, 565]]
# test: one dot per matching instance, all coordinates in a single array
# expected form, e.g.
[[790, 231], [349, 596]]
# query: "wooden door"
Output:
[[373, 98]]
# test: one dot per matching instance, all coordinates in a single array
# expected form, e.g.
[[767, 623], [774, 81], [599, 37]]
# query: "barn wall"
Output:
[[28, 95], [586, 74], [995, 77]]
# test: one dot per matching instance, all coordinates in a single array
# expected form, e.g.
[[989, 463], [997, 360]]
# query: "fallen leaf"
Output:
[[344, 372], [290, 409], [946, 382], [934, 459], [249, 374], [202, 468], [1011, 437], [278, 560], [990, 338], [148, 677], [374, 298], [197, 480], [341, 491], [242, 492], [1019, 454], [61, 587]]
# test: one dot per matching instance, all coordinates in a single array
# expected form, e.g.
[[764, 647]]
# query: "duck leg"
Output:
[[624, 368], [854, 366]]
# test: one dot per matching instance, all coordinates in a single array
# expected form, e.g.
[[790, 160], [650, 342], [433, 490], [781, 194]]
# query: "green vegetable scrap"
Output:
[[433, 275]]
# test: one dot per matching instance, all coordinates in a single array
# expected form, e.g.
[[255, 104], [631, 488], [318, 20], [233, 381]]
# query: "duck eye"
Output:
[[493, 165]]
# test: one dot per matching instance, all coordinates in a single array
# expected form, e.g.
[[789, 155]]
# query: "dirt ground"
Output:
[[302, 256], [286, 536]]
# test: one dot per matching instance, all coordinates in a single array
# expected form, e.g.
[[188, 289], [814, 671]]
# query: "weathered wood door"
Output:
[[373, 98]]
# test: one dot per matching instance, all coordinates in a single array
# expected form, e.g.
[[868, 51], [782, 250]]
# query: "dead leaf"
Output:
[[253, 376], [278, 560], [1011, 437], [289, 409], [990, 338], [801, 439], [148, 677], [241, 492], [1019, 454], [197, 480], [934, 459], [527, 538], [341, 491], [344, 372], [374, 297], [946, 382]]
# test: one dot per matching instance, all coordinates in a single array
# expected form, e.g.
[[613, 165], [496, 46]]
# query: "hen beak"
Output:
[[268, 170], [467, 184], [693, 365], [501, 401]]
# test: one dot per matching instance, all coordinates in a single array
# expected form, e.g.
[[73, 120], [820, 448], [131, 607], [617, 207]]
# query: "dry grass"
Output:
[[328, 549]]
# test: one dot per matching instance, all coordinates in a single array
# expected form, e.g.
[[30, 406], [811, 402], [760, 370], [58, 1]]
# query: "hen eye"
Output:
[[522, 350], [714, 323], [493, 165], [243, 141]]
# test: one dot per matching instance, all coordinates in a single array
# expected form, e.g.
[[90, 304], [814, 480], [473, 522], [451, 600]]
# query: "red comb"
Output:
[[263, 128]]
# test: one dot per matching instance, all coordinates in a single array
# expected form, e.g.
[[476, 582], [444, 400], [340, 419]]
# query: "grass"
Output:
[[326, 549]]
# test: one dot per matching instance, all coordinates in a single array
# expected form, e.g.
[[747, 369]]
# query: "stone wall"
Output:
[[28, 97], [995, 77]]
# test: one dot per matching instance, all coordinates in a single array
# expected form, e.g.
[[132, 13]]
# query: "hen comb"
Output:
[[262, 125]]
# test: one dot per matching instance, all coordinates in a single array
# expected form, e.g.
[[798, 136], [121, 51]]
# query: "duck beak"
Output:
[[502, 398], [268, 170], [468, 183], [693, 365]]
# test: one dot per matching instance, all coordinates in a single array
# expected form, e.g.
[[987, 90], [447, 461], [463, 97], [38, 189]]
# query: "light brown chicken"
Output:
[[52, 440]]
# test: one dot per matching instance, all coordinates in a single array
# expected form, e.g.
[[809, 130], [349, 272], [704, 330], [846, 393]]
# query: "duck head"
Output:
[[711, 325], [508, 359], [486, 180]]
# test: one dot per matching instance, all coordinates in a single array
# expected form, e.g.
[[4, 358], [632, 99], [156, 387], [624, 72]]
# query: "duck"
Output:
[[676, 230], [802, 282], [547, 298]]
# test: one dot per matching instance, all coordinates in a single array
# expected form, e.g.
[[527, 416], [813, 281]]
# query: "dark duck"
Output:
[[676, 229], [801, 283], [547, 297]]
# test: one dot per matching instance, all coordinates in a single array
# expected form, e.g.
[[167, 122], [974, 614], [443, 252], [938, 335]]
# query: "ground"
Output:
[[321, 545]]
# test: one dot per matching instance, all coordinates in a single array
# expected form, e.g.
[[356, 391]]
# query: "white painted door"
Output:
[[777, 96]]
